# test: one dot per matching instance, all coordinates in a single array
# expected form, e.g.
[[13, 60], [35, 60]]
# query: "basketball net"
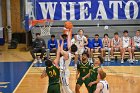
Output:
[[44, 26]]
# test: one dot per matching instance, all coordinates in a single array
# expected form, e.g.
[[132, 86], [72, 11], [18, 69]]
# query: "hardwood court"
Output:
[[122, 79]]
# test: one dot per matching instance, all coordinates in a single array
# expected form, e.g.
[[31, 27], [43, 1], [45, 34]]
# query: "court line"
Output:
[[22, 78]]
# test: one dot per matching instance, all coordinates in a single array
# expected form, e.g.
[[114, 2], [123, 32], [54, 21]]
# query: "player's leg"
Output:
[[76, 60], [112, 52], [108, 49], [78, 85], [133, 50], [123, 54], [35, 50], [102, 52], [130, 54]]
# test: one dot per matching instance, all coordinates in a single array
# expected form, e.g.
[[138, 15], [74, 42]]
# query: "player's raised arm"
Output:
[[69, 38]]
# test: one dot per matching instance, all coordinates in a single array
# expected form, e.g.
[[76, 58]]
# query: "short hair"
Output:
[[97, 35], [52, 36], [125, 31], [48, 63], [138, 30], [102, 75], [37, 34], [80, 30], [74, 48], [116, 33], [105, 35], [85, 53]]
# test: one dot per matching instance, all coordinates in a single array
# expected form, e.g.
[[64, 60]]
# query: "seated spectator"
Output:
[[88, 46], [97, 45], [116, 44], [126, 46], [65, 46], [38, 47], [136, 43], [106, 46], [52, 44]]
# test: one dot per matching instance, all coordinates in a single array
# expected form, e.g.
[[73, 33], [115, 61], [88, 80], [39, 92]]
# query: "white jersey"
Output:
[[105, 88], [64, 65], [105, 42], [137, 40], [80, 41], [125, 42], [116, 42]]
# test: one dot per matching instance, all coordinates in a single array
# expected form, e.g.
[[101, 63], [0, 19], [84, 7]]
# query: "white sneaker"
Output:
[[131, 61], [109, 59], [105, 58], [40, 61], [122, 61], [35, 61]]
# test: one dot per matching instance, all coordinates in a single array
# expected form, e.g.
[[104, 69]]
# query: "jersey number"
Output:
[[52, 73]]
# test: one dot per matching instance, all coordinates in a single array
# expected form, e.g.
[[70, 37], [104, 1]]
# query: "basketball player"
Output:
[[53, 72], [81, 41], [83, 68], [116, 44], [64, 63], [106, 46], [126, 46], [102, 86], [136, 43], [92, 75]]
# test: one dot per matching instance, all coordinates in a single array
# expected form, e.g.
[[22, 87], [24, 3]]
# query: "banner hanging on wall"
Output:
[[83, 9]]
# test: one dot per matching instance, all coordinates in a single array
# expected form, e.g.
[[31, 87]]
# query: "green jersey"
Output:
[[53, 74], [94, 73], [83, 68]]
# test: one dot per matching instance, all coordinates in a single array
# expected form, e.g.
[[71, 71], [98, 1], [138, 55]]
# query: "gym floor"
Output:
[[18, 75]]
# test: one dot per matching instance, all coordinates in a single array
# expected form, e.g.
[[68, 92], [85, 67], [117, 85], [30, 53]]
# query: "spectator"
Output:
[[126, 46], [136, 43], [116, 44], [52, 44], [106, 46], [88, 46], [38, 46], [97, 45]]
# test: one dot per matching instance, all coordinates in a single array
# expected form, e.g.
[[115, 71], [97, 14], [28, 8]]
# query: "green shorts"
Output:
[[92, 88], [80, 81], [54, 88]]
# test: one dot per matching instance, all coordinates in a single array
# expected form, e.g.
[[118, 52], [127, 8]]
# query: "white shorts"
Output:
[[107, 49], [80, 51]]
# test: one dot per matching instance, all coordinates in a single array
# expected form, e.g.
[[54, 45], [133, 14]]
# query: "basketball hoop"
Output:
[[44, 26]]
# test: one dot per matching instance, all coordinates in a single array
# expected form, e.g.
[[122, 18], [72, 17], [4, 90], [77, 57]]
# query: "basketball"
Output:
[[68, 25]]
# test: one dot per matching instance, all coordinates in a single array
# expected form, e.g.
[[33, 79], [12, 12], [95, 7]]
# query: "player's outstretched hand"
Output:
[[90, 84], [83, 78]]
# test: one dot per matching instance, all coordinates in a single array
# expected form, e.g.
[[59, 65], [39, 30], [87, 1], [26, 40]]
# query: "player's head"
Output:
[[73, 48], [99, 60], [101, 75], [116, 35], [64, 36], [96, 37], [48, 63], [85, 56], [37, 35], [105, 35], [125, 33], [138, 33], [87, 36], [52, 37], [80, 31]]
